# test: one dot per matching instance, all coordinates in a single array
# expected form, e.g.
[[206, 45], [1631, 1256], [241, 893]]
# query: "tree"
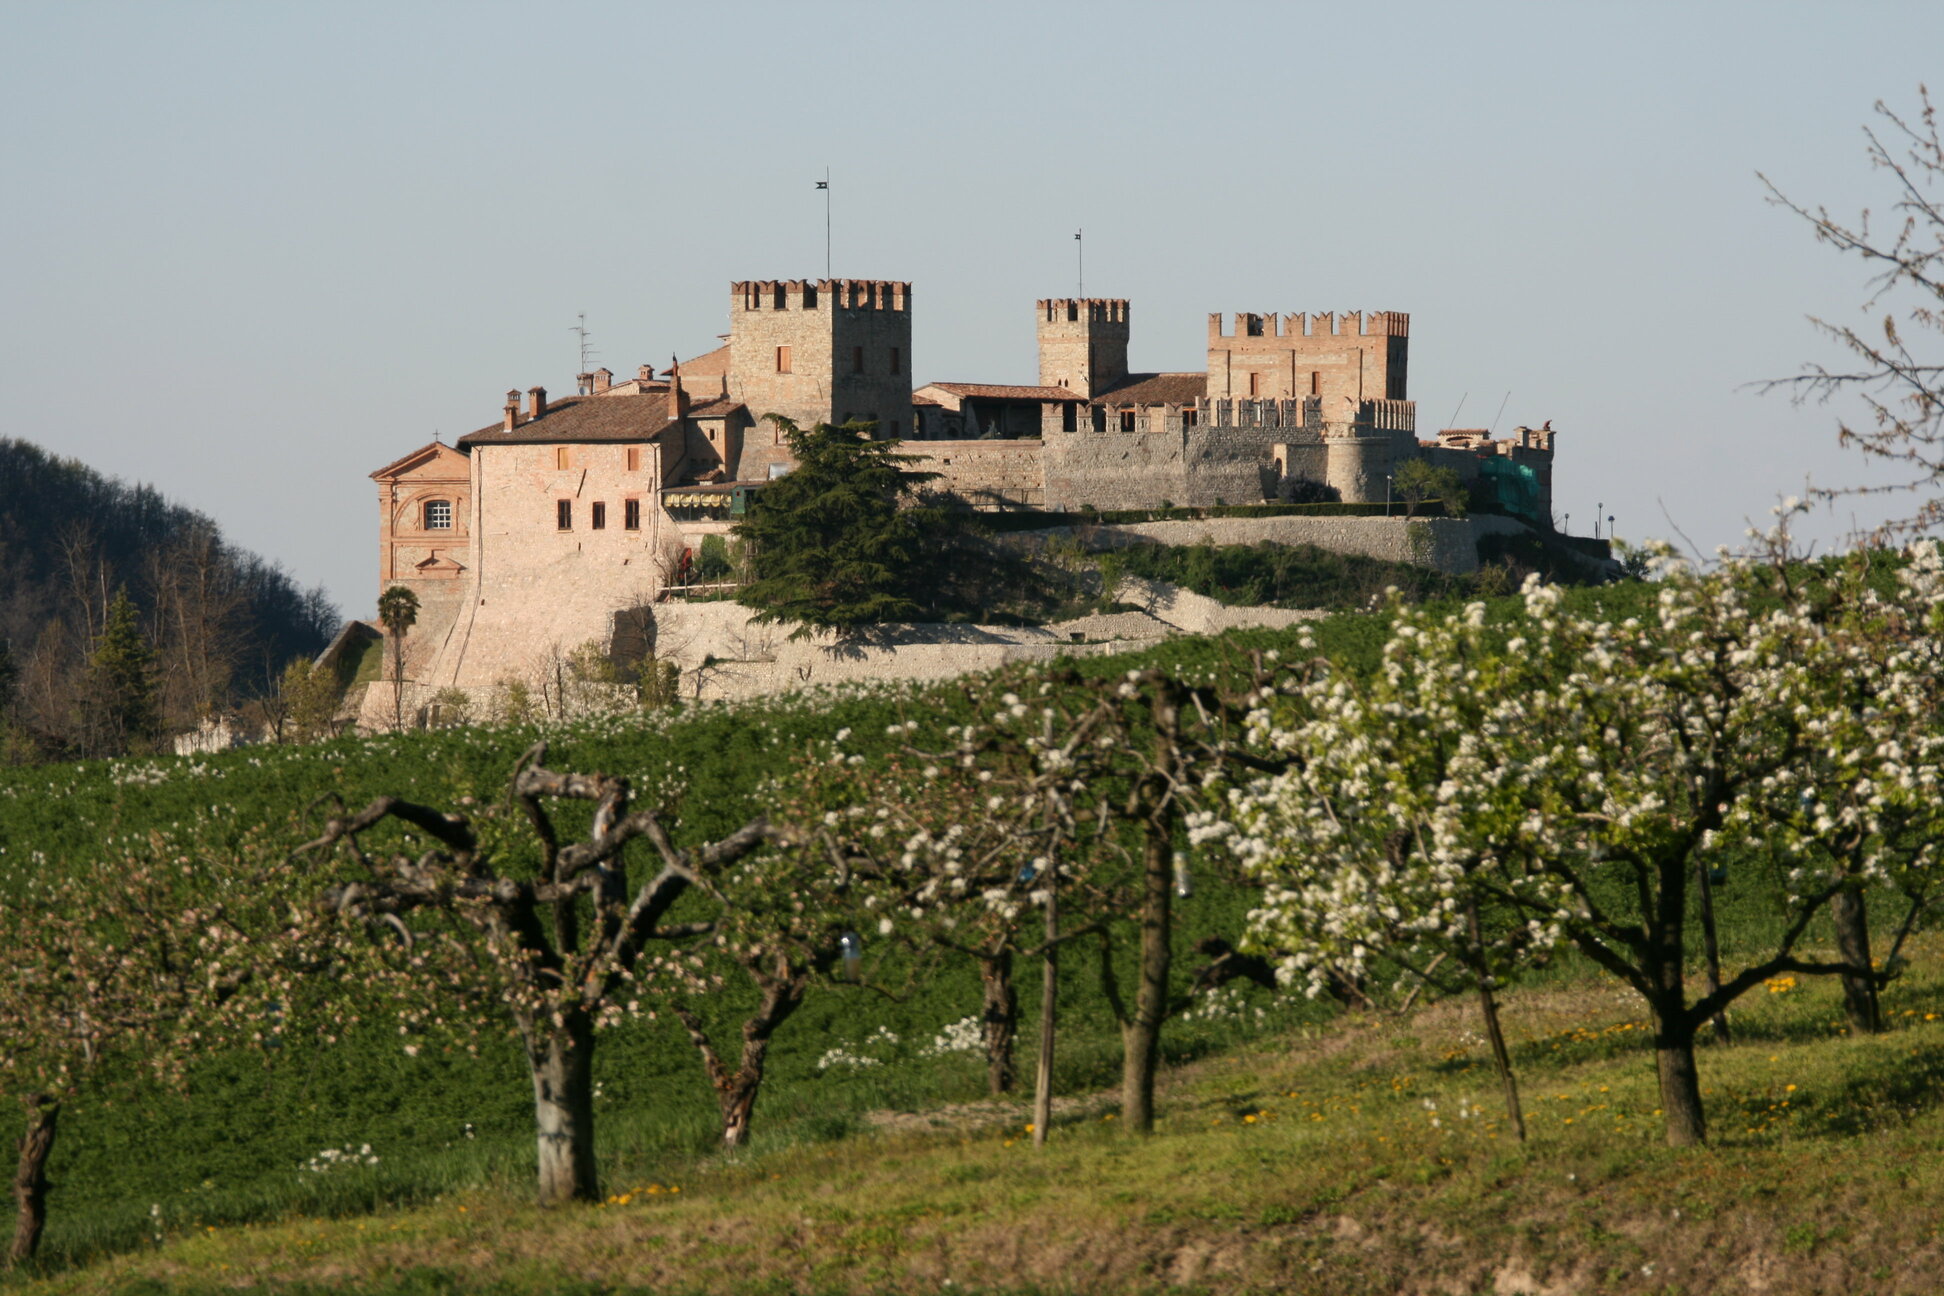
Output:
[[559, 941], [847, 540], [119, 704], [1417, 481], [398, 612], [1896, 367], [120, 962], [1595, 771]]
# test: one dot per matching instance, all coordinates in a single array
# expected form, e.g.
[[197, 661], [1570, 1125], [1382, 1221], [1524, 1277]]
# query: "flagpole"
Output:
[[1080, 252], [825, 186]]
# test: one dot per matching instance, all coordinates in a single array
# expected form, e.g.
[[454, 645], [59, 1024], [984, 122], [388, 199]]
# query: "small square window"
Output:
[[564, 515], [597, 516], [631, 514], [438, 515]]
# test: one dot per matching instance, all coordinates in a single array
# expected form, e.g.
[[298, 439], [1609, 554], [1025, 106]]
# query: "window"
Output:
[[438, 515], [597, 516], [809, 297], [631, 514], [1127, 420], [897, 360], [1069, 416], [634, 458], [1316, 383], [712, 433], [1190, 416], [857, 359], [782, 359], [564, 515], [780, 301], [561, 463], [1255, 325], [1255, 384]]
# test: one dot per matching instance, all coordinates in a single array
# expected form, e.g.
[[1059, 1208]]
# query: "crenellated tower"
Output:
[[1345, 359], [1082, 343], [822, 351]]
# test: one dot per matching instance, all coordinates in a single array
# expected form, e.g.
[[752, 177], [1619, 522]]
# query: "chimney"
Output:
[[536, 402], [603, 379], [512, 410], [678, 404], [645, 374]]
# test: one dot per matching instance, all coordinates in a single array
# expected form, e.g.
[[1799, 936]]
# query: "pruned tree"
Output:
[[1595, 770], [1895, 366], [398, 609], [120, 964], [561, 937]]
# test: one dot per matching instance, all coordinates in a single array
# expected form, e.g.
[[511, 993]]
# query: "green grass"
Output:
[[1367, 1154], [226, 1151]]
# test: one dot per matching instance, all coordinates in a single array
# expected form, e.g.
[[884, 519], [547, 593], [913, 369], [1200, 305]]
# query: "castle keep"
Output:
[[538, 529]]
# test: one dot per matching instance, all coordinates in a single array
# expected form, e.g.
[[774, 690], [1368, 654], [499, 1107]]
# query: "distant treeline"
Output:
[[202, 626]]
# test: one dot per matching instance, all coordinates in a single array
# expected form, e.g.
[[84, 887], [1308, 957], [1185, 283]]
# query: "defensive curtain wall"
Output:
[[1214, 452]]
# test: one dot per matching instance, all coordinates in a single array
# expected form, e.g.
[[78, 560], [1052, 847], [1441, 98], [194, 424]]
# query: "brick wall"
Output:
[[1347, 358]]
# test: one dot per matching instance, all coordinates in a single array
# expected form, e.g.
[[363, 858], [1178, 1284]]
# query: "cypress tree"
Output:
[[121, 698]]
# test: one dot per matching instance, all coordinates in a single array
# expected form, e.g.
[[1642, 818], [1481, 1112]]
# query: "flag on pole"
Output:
[[825, 184]]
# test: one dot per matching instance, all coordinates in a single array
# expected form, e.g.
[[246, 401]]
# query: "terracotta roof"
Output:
[[1157, 389], [922, 400], [584, 418], [429, 450], [720, 407], [1000, 391]]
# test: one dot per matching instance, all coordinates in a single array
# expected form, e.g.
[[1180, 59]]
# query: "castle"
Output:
[[537, 530]]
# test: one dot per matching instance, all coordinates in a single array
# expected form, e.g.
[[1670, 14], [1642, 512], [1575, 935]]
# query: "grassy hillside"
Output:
[[1367, 1155], [451, 1128]]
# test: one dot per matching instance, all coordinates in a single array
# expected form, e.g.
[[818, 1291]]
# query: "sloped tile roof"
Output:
[[1001, 391], [584, 418], [1157, 389]]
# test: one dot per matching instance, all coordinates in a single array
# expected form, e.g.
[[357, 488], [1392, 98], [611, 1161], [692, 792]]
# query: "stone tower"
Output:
[[822, 351], [1082, 344], [1345, 359]]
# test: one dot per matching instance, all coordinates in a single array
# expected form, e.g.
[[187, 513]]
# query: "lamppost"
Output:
[[1569, 524], [1387, 494], [1598, 509]]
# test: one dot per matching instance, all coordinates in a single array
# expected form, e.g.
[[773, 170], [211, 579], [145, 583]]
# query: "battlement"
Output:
[[1301, 325], [1088, 310], [815, 294], [1365, 417]]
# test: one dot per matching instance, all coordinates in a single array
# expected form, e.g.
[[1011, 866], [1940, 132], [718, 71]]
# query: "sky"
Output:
[[250, 252]]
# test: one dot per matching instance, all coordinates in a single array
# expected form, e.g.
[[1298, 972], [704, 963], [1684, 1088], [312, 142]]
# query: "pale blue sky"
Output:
[[250, 252]]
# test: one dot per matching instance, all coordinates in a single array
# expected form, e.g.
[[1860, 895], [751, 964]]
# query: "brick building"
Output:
[[535, 531]]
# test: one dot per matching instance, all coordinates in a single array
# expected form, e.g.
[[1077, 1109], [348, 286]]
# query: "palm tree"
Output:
[[398, 612]]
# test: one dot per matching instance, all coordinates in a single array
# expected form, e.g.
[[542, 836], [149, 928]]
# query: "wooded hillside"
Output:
[[218, 623]]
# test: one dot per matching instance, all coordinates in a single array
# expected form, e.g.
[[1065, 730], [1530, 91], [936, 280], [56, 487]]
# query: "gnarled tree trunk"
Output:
[[1000, 1019], [1141, 1034], [30, 1177], [783, 990], [561, 1060], [1851, 917], [1680, 1081]]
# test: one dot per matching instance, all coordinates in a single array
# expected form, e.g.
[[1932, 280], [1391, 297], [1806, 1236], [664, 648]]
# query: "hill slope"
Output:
[[223, 621]]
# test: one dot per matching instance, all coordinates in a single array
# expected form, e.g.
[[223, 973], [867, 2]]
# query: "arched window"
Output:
[[438, 515]]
